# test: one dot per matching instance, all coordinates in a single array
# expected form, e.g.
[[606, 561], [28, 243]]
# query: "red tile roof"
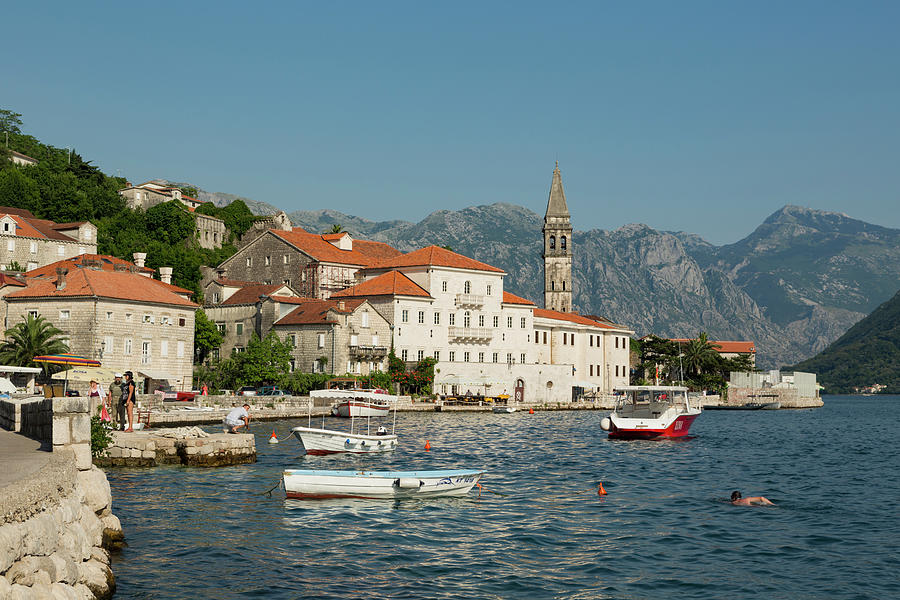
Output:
[[363, 254], [727, 347], [291, 299], [31, 227], [316, 311], [88, 283], [435, 256], [250, 294], [513, 299], [84, 261], [572, 317], [392, 283], [10, 280]]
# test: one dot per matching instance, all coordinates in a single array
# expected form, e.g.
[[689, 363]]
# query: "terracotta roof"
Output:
[[30, 227], [316, 311], [513, 299], [290, 299], [726, 347], [392, 283], [85, 261], [572, 317], [72, 225], [120, 285], [20, 155], [250, 294], [435, 256], [22, 212], [364, 253], [10, 280]]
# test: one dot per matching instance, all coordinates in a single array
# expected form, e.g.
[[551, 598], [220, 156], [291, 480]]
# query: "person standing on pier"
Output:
[[128, 397], [113, 397]]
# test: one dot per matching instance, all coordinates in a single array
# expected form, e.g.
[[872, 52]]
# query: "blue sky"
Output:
[[697, 116]]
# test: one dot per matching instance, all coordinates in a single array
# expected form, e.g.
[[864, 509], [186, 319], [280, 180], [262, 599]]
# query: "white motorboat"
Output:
[[315, 484], [504, 409], [650, 411], [329, 441]]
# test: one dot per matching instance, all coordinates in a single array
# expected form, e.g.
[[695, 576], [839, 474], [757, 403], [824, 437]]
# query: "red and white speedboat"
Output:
[[649, 412]]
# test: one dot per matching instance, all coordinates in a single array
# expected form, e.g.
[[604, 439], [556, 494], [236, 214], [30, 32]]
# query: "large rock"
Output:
[[98, 578]]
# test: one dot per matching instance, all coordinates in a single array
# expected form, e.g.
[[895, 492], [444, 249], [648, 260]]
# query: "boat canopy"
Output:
[[651, 388]]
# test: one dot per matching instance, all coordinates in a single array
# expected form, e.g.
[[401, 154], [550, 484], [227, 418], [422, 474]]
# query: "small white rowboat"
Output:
[[314, 484], [329, 441]]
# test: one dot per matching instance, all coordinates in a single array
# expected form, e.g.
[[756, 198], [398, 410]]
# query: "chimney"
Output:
[[139, 258], [165, 274], [61, 278]]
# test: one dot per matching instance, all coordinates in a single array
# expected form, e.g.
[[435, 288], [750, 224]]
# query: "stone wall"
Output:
[[189, 446], [56, 525]]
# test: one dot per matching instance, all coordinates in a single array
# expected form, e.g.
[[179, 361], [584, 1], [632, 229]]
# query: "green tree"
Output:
[[264, 361], [19, 190], [170, 223], [10, 122], [189, 191], [207, 337], [32, 337], [700, 354], [336, 228]]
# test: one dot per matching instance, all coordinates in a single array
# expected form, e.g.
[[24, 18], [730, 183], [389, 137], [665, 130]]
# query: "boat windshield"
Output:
[[652, 398]]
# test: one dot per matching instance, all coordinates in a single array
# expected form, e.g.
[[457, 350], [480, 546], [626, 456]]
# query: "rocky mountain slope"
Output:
[[793, 286]]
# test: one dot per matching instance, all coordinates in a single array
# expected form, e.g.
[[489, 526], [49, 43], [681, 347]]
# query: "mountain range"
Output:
[[793, 286]]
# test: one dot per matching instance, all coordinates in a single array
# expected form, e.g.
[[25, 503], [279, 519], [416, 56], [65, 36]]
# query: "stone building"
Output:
[[33, 242], [338, 336], [111, 310], [22, 160], [316, 265], [557, 253], [211, 231]]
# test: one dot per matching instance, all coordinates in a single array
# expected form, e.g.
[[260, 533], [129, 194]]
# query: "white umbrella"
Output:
[[85, 374]]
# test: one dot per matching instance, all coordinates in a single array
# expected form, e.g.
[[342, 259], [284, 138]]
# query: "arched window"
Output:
[[562, 242], [467, 287], [467, 319], [552, 242]]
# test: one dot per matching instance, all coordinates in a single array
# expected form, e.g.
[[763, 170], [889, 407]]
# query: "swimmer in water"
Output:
[[750, 500]]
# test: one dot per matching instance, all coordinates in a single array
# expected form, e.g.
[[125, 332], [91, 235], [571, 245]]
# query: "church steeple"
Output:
[[557, 253]]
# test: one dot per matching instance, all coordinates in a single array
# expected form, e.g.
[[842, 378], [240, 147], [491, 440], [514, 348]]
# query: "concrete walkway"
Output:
[[20, 456]]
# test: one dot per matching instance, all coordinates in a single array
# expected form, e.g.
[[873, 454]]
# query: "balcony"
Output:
[[470, 334], [368, 351], [469, 301]]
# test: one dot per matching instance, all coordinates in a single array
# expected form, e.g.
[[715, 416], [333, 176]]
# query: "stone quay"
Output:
[[188, 446]]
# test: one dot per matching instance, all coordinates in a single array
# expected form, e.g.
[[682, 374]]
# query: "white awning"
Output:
[[157, 375], [12, 369]]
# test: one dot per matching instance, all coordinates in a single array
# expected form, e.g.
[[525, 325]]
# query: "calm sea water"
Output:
[[664, 530]]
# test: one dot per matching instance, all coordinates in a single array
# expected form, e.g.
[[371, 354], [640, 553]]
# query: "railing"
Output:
[[469, 300], [471, 333], [368, 351]]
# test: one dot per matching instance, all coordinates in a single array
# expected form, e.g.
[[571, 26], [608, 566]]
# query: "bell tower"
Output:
[[557, 253]]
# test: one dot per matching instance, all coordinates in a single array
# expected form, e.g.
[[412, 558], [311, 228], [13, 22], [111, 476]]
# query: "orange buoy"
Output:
[[274, 438], [427, 445], [530, 411], [600, 490]]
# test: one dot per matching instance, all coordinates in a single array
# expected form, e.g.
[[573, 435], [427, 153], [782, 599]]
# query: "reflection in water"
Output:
[[665, 527]]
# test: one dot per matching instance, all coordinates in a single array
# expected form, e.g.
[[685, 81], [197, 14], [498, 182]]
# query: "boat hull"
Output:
[[647, 429], [328, 441], [313, 485]]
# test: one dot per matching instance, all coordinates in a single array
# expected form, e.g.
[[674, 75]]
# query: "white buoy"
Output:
[[274, 438], [605, 423]]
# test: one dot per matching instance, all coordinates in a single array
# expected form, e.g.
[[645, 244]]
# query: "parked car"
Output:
[[247, 390], [270, 390]]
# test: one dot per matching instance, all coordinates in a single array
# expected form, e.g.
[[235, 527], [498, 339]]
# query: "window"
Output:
[[286, 259], [565, 337], [249, 261], [420, 355], [374, 339], [617, 370], [509, 358], [523, 322], [216, 297], [452, 319], [404, 355], [617, 341], [268, 260], [509, 321], [437, 355], [552, 242], [452, 356], [64, 315], [33, 314], [293, 365], [238, 350], [545, 337], [365, 318], [181, 321], [443, 286], [552, 285], [108, 345], [522, 358], [239, 328], [127, 349], [286, 281], [562, 244], [10, 245], [179, 352], [467, 287], [147, 319], [467, 320], [488, 290], [496, 321], [145, 352], [421, 317], [564, 285], [6, 227], [33, 247], [590, 340], [109, 315], [496, 357], [437, 318], [354, 340], [60, 250], [321, 340], [220, 327], [164, 320], [481, 320], [537, 337], [164, 347], [404, 316], [465, 357], [481, 357], [572, 339], [291, 340]]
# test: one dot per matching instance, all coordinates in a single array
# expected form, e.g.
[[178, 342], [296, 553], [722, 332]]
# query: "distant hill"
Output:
[[868, 354]]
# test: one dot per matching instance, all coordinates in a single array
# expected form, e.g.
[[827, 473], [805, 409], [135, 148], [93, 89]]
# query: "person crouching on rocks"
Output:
[[237, 418]]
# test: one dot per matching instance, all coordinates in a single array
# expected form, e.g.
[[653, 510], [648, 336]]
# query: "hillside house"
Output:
[[211, 231], [32, 243]]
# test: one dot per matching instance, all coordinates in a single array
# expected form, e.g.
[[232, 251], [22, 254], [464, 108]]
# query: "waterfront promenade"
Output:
[[21, 457]]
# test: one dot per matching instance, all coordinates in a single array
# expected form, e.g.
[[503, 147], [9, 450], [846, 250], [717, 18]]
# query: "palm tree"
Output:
[[32, 337], [700, 353], [336, 228]]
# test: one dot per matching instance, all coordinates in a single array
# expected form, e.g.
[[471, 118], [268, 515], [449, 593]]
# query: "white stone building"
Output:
[[32, 243]]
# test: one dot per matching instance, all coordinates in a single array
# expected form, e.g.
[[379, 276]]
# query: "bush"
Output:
[[101, 437]]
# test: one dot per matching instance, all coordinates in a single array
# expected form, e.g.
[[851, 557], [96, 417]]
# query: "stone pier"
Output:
[[188, 446]]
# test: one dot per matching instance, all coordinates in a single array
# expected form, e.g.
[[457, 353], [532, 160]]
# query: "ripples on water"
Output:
[[665, 529]]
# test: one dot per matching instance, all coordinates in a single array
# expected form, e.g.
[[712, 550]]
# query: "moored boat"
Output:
[[357, 402], [328, 441], [649, 412], [504, 409], [316, 484]]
